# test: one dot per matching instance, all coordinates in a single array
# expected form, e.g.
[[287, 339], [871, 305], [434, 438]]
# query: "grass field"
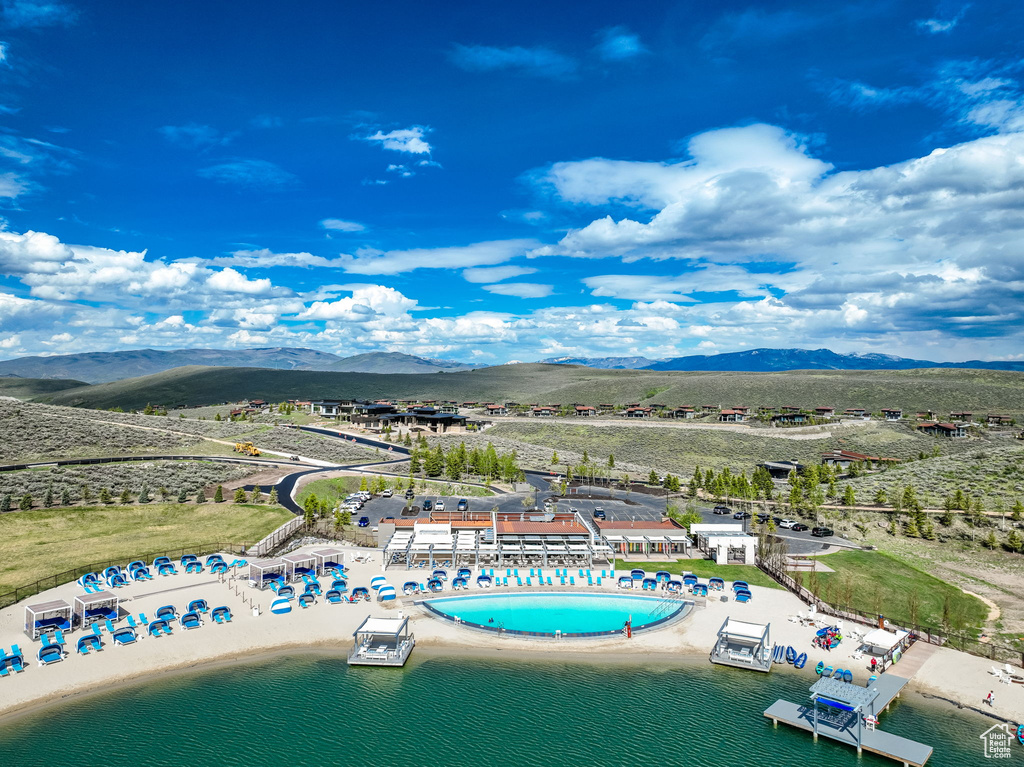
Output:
[[875, 582], [335, 490], [704, 568], [36, 544]]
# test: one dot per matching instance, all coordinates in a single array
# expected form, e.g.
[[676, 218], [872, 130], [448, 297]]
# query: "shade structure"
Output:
[[386, 594], [378, 581]]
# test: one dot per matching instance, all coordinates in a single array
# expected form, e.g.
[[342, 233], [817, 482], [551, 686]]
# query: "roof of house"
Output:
[[640, 524], [555, 527]]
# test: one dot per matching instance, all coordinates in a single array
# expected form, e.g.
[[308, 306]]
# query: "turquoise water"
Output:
[[548, 613], [316, 711]]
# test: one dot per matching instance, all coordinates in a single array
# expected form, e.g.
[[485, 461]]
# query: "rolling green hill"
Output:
[[980, 391], [26, 388]]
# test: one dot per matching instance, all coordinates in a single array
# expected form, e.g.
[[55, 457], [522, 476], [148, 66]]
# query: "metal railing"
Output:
[[965, 640]]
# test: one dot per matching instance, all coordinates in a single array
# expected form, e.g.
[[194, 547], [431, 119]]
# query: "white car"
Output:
[[787, 523], [439, 506], [387, 493]]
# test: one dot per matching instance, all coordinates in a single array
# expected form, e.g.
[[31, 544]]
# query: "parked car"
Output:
[[822, 532], [599, 513], [799, 527], [463, 505], [428, 505], [387, 493], [439, 506], [741, 515], [364, 521], [763, 518], [722, 510], [787, 523], [409, 494]]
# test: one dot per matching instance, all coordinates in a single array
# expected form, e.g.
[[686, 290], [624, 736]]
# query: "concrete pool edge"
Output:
[[685, 608]]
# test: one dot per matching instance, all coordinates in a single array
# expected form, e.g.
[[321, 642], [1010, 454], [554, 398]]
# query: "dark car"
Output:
[[409, 494], [822, 532], [763, 518], [463, 505], [599, 513], [741, 515], [799, 527], [428, 505], [722, 510], [364, 521]]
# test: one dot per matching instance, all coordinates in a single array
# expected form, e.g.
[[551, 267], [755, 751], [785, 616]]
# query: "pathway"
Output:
[[914, 658]]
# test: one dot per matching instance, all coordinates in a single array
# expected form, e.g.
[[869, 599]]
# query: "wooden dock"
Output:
[[843, 726]]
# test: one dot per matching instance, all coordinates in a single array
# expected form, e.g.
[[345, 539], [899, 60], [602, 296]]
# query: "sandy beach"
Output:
[[948, 675]]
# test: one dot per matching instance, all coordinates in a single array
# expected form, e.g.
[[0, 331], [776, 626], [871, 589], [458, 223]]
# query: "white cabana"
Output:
[[881, 642], [744, 645]]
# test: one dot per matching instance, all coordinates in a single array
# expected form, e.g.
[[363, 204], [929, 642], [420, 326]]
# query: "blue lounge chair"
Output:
[[313, 588], [483, 581], [217, 568], [210, 560], [625, 582], [716, 583], [737, 585], [221, 615], [134, 564], [132, 623], [142, 619], [167, 569], [186, 558], [191, 620], [124, 636], [307, 599], [4, 671], [108, 626], [111, 571], [519, 581], [50, 654], [198, 606], [439, 573], [361, 592], [161, 561], [663, 576], [529, 581], [58, 637], [193, 567], [16, 660], [89, 643], [689, 579], [159, 628], [340, 584], [649, 584], [333, 596], [410, 587], [286, 592], [239, 563], [434, 584], [743, 596], [166, 613]]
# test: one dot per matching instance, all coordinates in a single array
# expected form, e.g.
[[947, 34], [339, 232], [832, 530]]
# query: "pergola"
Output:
[[261, 571], [327, 559], [382, 642], [296, 565], [743, 644], [90, 608], [45, 617]]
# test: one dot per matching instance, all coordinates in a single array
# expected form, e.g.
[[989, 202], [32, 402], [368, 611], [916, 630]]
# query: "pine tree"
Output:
[[5, 503], [65, 497], [1014, 542], [946, 518], [25, 503], [273, 496], [586, 457], [105, 497], [240, 496], [86, 494], [652, 478], [880, 497], [201, 496], [182, 496], [1017, 513], [363, 487], [217, 417], [990, 541], [257, 495], [554, 458], [611, 461], [48, 498], [218, 495], [144, 494], [849, 496], [126, 496]]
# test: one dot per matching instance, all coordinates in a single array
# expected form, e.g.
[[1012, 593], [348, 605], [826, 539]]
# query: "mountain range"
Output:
[[103, 367], [771, 360]]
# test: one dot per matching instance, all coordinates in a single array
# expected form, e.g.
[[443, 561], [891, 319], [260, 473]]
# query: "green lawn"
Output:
[[875, 582], [36, 544], [705, 568], [335, 490]]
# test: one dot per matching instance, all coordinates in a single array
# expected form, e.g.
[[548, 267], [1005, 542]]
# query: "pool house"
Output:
[[496, 538], [382, 642], [47, 617], [725, 543], [95, 608], [645, 539], [743, 645]]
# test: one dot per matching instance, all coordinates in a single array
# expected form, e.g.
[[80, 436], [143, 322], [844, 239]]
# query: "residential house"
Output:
[[544, 412], [843, 458], [684, 411], [708, 409], [824, 412], [497, 410], [998, 420], [450, 408], [926, 415], [789, 409], [790, 419], [855, 412], [782, 469], [585, 411], [332, 408], [951, 430], [892, 414], [638, 412], [731, 415], [965, 416]]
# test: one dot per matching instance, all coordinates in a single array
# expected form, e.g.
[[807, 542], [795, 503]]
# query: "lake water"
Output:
[[314, 710]]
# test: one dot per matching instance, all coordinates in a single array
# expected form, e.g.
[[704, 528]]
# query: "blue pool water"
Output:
[[548, 613]]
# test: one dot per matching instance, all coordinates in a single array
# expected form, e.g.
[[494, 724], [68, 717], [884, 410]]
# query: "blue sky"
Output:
[[512, 181]]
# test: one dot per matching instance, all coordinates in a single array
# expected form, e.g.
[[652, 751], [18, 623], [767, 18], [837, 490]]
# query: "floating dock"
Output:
[[838, 710], [382, 642]]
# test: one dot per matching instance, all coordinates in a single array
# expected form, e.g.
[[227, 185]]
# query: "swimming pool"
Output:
[[544, 615]]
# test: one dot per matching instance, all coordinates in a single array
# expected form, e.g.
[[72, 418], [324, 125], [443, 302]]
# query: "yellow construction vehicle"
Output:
[[247, 447]]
